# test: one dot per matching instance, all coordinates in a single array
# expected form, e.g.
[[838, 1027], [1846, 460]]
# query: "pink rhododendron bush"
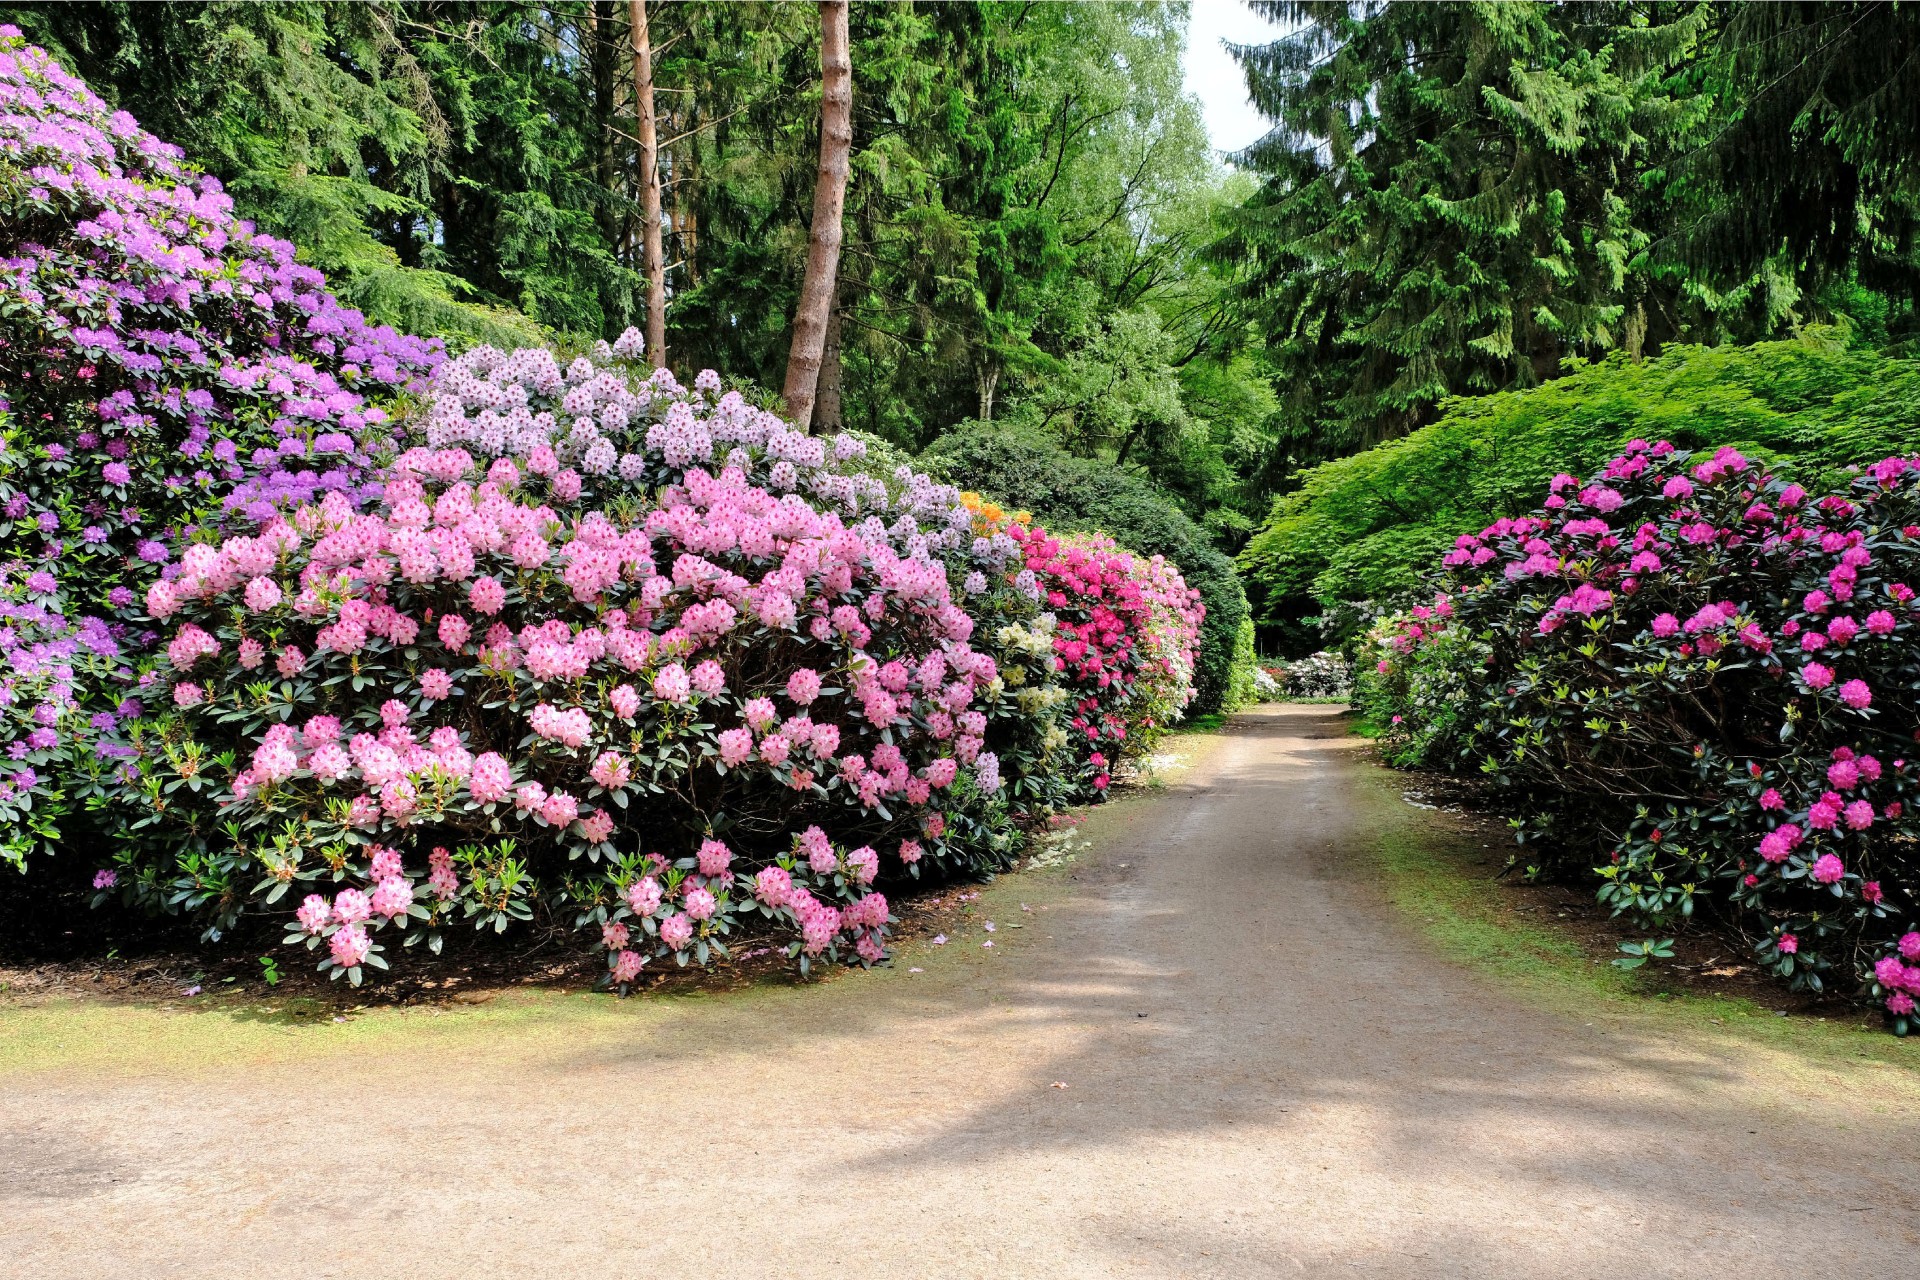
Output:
[[1714, 671], [315, 625], [646, 652]]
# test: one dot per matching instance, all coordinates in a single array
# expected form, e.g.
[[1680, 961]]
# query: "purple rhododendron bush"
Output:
[[1714, 672], [318, 626], [162, 368]]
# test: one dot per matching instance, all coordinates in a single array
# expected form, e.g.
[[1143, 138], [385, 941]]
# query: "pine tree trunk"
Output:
[[656, 265], [827, 413], [603, 40], [829, 202]]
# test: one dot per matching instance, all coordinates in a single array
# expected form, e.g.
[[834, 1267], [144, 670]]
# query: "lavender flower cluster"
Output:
[[164, 364]]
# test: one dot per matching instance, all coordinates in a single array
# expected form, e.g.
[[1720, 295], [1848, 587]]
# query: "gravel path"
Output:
[[1266, 1071]]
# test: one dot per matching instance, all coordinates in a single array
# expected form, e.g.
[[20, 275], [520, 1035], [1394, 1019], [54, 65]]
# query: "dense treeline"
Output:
[[1455, 200], [1469, 199]]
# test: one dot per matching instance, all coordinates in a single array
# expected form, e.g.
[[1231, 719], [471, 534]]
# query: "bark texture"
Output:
[[656, 264], [815, 308]]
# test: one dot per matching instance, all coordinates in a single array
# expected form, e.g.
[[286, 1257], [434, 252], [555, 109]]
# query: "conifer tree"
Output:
[[1452, 199]]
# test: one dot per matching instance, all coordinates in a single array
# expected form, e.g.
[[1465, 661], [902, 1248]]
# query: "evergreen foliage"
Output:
[[1453, 201], [1815, 158]]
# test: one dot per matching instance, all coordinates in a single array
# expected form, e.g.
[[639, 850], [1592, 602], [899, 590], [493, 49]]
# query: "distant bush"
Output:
[[1363, 527], [1026, 470], [1318, 675], [1707, 672]]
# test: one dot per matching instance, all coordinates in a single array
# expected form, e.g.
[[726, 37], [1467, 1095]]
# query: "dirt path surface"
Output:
[[1267, 1071]]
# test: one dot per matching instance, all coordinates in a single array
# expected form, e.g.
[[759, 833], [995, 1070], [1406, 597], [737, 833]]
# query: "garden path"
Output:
[[1266, 1071]]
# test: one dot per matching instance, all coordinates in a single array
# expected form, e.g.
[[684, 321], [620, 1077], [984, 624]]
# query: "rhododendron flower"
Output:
[[1771, 799], [1665, 625], [611, 770], [819, 851], [803, 686], [614, 935], [350, 906], [559, 808], [392, 897], [1816, 676], [491, 780], [760, 714], [1860, 815], [700, 904], [624, 701], [187, 695], [1856, 694], [626, 966], [315, 913], [864, 863], [714, 858], [773, 886], [709, 678], [349, 946], [262, 594], [677, 931], [1789, 944], [486, 595], [643, 896], [670, 684], [436, 684]]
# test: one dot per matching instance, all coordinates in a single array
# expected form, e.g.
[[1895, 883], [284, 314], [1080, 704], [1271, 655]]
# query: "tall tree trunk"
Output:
[[656, 263], [829, 202], [827, 412], [603, 51]]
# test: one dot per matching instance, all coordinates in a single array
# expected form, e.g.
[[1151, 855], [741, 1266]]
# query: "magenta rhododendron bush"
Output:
[[315, 623], [1127, 632], [1715, 670]]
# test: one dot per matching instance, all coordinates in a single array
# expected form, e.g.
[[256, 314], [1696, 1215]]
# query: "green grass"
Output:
[[1434, 878]]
